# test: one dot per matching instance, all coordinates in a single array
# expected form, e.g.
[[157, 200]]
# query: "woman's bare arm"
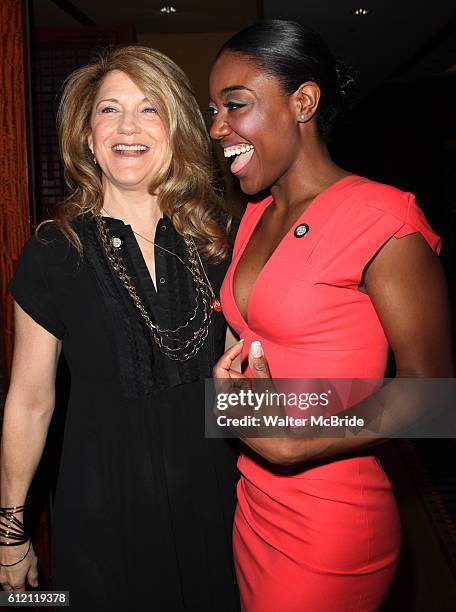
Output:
[[29, 406], [28, 411], [407, 287]]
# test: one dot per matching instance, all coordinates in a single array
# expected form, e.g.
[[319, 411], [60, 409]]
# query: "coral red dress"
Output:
[[325, 538]]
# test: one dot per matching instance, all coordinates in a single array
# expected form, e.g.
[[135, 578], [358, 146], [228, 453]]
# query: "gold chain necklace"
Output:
[[215, 303], [168, 342]]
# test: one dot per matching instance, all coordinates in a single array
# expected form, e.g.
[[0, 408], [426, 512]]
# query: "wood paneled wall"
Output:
[[14, 190]]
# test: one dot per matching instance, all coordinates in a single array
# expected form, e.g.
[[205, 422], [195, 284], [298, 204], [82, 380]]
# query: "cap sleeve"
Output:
[[363, 229], [416, 222], [398, 215], [30, 287]]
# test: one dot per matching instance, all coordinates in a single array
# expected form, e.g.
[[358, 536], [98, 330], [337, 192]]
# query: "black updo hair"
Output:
[[295, 54]]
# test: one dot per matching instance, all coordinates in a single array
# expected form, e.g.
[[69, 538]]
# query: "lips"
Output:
[[242, 153], [237, 149], [241, 162], [130, 150]]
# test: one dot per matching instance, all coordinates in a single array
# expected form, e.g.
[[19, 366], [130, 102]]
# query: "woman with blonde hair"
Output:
[[124, 280]]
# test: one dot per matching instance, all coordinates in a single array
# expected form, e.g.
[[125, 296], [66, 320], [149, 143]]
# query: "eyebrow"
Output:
[[117, 101], [226, 90]]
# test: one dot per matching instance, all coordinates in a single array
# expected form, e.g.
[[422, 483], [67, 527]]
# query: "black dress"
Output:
[[144, 503]]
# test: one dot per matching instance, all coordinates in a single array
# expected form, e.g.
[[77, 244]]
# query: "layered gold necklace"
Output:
[[169, 341]]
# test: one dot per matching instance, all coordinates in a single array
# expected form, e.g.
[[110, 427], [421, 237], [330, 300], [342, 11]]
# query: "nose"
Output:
[[219, 128], [128, 123]]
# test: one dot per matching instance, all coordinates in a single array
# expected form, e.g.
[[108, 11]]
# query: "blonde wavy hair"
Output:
[[184, 187]]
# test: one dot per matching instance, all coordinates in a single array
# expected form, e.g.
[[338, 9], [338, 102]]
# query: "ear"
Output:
[[306, 99], [90, 142]]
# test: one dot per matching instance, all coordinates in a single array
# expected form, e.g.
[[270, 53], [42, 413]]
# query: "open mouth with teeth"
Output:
[[127, 150], [242, 154]]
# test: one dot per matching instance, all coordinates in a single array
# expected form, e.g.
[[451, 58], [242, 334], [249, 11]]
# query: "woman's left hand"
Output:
[[224, 366], [235, 383], [257, 362]]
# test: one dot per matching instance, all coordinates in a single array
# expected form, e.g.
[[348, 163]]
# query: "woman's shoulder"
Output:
[[46, 240], [42, 269], [376, 197], [372, 212], [384, 206], [51, 245], [50, 234]]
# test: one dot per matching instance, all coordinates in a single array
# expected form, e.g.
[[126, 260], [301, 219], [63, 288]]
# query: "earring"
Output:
[[94, 160], [302, 118]]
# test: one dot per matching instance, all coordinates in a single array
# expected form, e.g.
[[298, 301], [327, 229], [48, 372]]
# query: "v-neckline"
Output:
[[143, 264], [140, 272], [264, 205], [145, 276]]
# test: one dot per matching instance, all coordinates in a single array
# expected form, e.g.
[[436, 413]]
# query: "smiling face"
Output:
[[254, 120], [127, 137]]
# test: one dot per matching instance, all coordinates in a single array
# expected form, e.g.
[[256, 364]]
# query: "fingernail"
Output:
[[256, 350], [241, 340]]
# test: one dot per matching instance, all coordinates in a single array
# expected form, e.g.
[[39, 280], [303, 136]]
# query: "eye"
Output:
[[211, 111], [109, 109], [231, 106], [149, 109]]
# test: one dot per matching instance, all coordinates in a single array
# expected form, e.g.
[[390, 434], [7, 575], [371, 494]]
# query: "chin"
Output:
[[250, 188], [130, 182]]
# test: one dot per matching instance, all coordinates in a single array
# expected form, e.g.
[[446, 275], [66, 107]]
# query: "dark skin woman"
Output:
[[276, 91]]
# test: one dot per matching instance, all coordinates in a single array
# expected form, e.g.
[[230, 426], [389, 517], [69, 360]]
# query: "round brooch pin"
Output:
[[116, 242], [301, 230]]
